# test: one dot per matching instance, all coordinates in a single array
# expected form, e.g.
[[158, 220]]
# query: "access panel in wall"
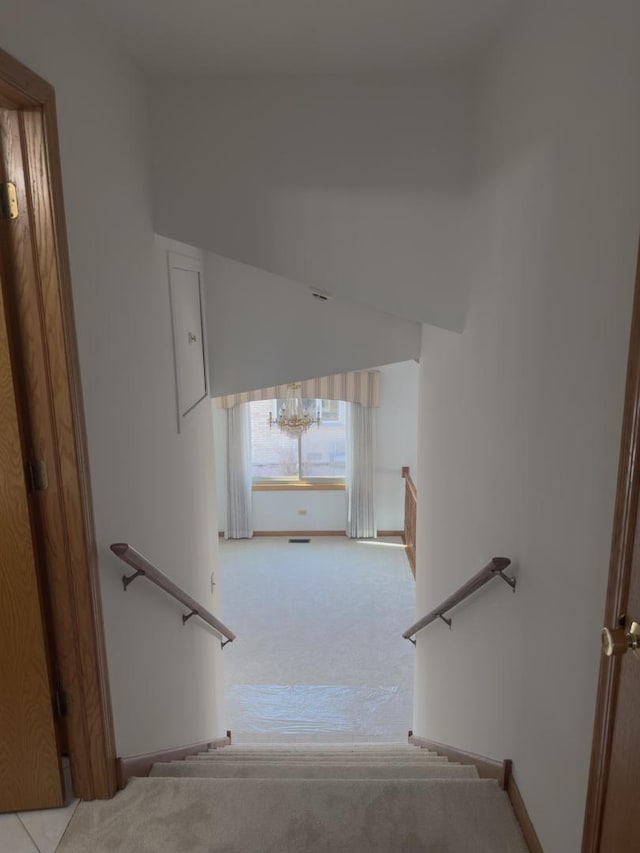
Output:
[[189, 344]]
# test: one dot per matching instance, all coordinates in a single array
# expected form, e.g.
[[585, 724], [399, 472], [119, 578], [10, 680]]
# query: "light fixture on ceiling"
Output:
[[294, 417]]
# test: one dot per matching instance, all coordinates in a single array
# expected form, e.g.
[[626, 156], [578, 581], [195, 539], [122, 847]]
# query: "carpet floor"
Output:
[[320, 654]]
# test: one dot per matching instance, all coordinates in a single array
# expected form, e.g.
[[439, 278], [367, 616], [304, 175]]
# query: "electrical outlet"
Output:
[[213, 581], [302, 512]]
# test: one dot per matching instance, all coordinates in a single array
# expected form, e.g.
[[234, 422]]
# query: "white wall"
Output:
[[396, 439], [358, 185], [265, 330], [151, 487], [520, 415], [326, 510], [395, 446]]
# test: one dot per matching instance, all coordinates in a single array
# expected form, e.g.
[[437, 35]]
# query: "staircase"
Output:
[[302, 798]]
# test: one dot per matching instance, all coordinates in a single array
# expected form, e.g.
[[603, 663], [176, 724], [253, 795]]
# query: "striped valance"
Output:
[[362, 387]]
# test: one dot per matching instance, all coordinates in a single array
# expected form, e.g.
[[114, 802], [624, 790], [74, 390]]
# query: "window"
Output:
[[316, 456]]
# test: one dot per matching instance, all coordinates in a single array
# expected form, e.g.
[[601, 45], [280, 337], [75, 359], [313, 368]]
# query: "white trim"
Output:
[[185, 262]]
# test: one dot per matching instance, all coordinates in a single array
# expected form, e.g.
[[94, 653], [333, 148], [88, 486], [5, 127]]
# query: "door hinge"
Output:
[[61, 703], [38, 476], [8, 201]]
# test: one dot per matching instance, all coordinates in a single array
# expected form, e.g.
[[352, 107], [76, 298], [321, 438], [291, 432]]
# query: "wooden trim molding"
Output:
[[140, 765], [520, 810], [406, 475], [20, 87], [620, 570], [410, 518], [488, 768], [46, 342], [298, 487]]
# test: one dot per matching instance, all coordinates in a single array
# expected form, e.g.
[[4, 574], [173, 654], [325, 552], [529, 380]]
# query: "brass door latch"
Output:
[[619, 641], [8, 201]]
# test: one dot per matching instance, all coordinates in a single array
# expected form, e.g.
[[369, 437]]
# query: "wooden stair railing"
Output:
[[410, 515], [144, 568], [494, 568]]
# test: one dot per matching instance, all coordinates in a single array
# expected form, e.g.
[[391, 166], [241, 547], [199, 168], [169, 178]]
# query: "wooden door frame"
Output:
[[74, 602], [620, 567]]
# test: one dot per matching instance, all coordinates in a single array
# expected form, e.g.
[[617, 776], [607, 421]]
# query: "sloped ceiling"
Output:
[[329, 143], [263, 330], [298, 36], [357, 185]]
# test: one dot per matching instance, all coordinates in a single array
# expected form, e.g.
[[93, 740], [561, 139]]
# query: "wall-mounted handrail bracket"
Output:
[[224, 643], [448, 622], [496, 566], [411, 640], [507, 579], [127, 579], [142, 566]]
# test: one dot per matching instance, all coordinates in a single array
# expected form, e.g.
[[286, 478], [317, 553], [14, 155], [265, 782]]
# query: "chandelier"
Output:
[[294, 417]]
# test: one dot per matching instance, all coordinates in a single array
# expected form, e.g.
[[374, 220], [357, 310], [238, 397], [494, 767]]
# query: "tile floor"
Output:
[[38, 831]]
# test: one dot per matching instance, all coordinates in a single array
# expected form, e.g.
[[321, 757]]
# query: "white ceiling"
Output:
[[299, 36]]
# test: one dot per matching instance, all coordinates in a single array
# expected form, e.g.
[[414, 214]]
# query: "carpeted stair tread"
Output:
[[323, 747], [165, 815], [347, 759], [312, 759], [313, 770], [228, 754]]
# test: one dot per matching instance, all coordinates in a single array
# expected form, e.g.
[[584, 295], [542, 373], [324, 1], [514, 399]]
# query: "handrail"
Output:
[[406, 474], [410, 518], [142, 566], [494, 568]]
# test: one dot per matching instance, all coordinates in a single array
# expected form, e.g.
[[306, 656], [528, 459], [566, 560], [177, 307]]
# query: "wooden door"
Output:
[[612, 818], [39, 322], [30, 775]]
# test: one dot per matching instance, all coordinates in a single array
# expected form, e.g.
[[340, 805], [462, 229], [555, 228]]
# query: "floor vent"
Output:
[[299, 539]]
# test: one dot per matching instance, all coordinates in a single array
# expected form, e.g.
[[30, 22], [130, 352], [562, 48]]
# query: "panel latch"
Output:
[[38, 475], [8, 201]]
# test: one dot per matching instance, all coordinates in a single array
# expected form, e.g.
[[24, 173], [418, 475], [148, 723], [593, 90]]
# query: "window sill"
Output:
[[298, 487]]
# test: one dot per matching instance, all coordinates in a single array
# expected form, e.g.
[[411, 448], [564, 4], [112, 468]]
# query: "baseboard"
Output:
[[488, 768], [140, 765], [382, 534], [299, 533], [521, 813]]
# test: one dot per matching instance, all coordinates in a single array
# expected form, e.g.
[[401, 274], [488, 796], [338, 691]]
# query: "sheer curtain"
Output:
[[239, 511], [360, 472]]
